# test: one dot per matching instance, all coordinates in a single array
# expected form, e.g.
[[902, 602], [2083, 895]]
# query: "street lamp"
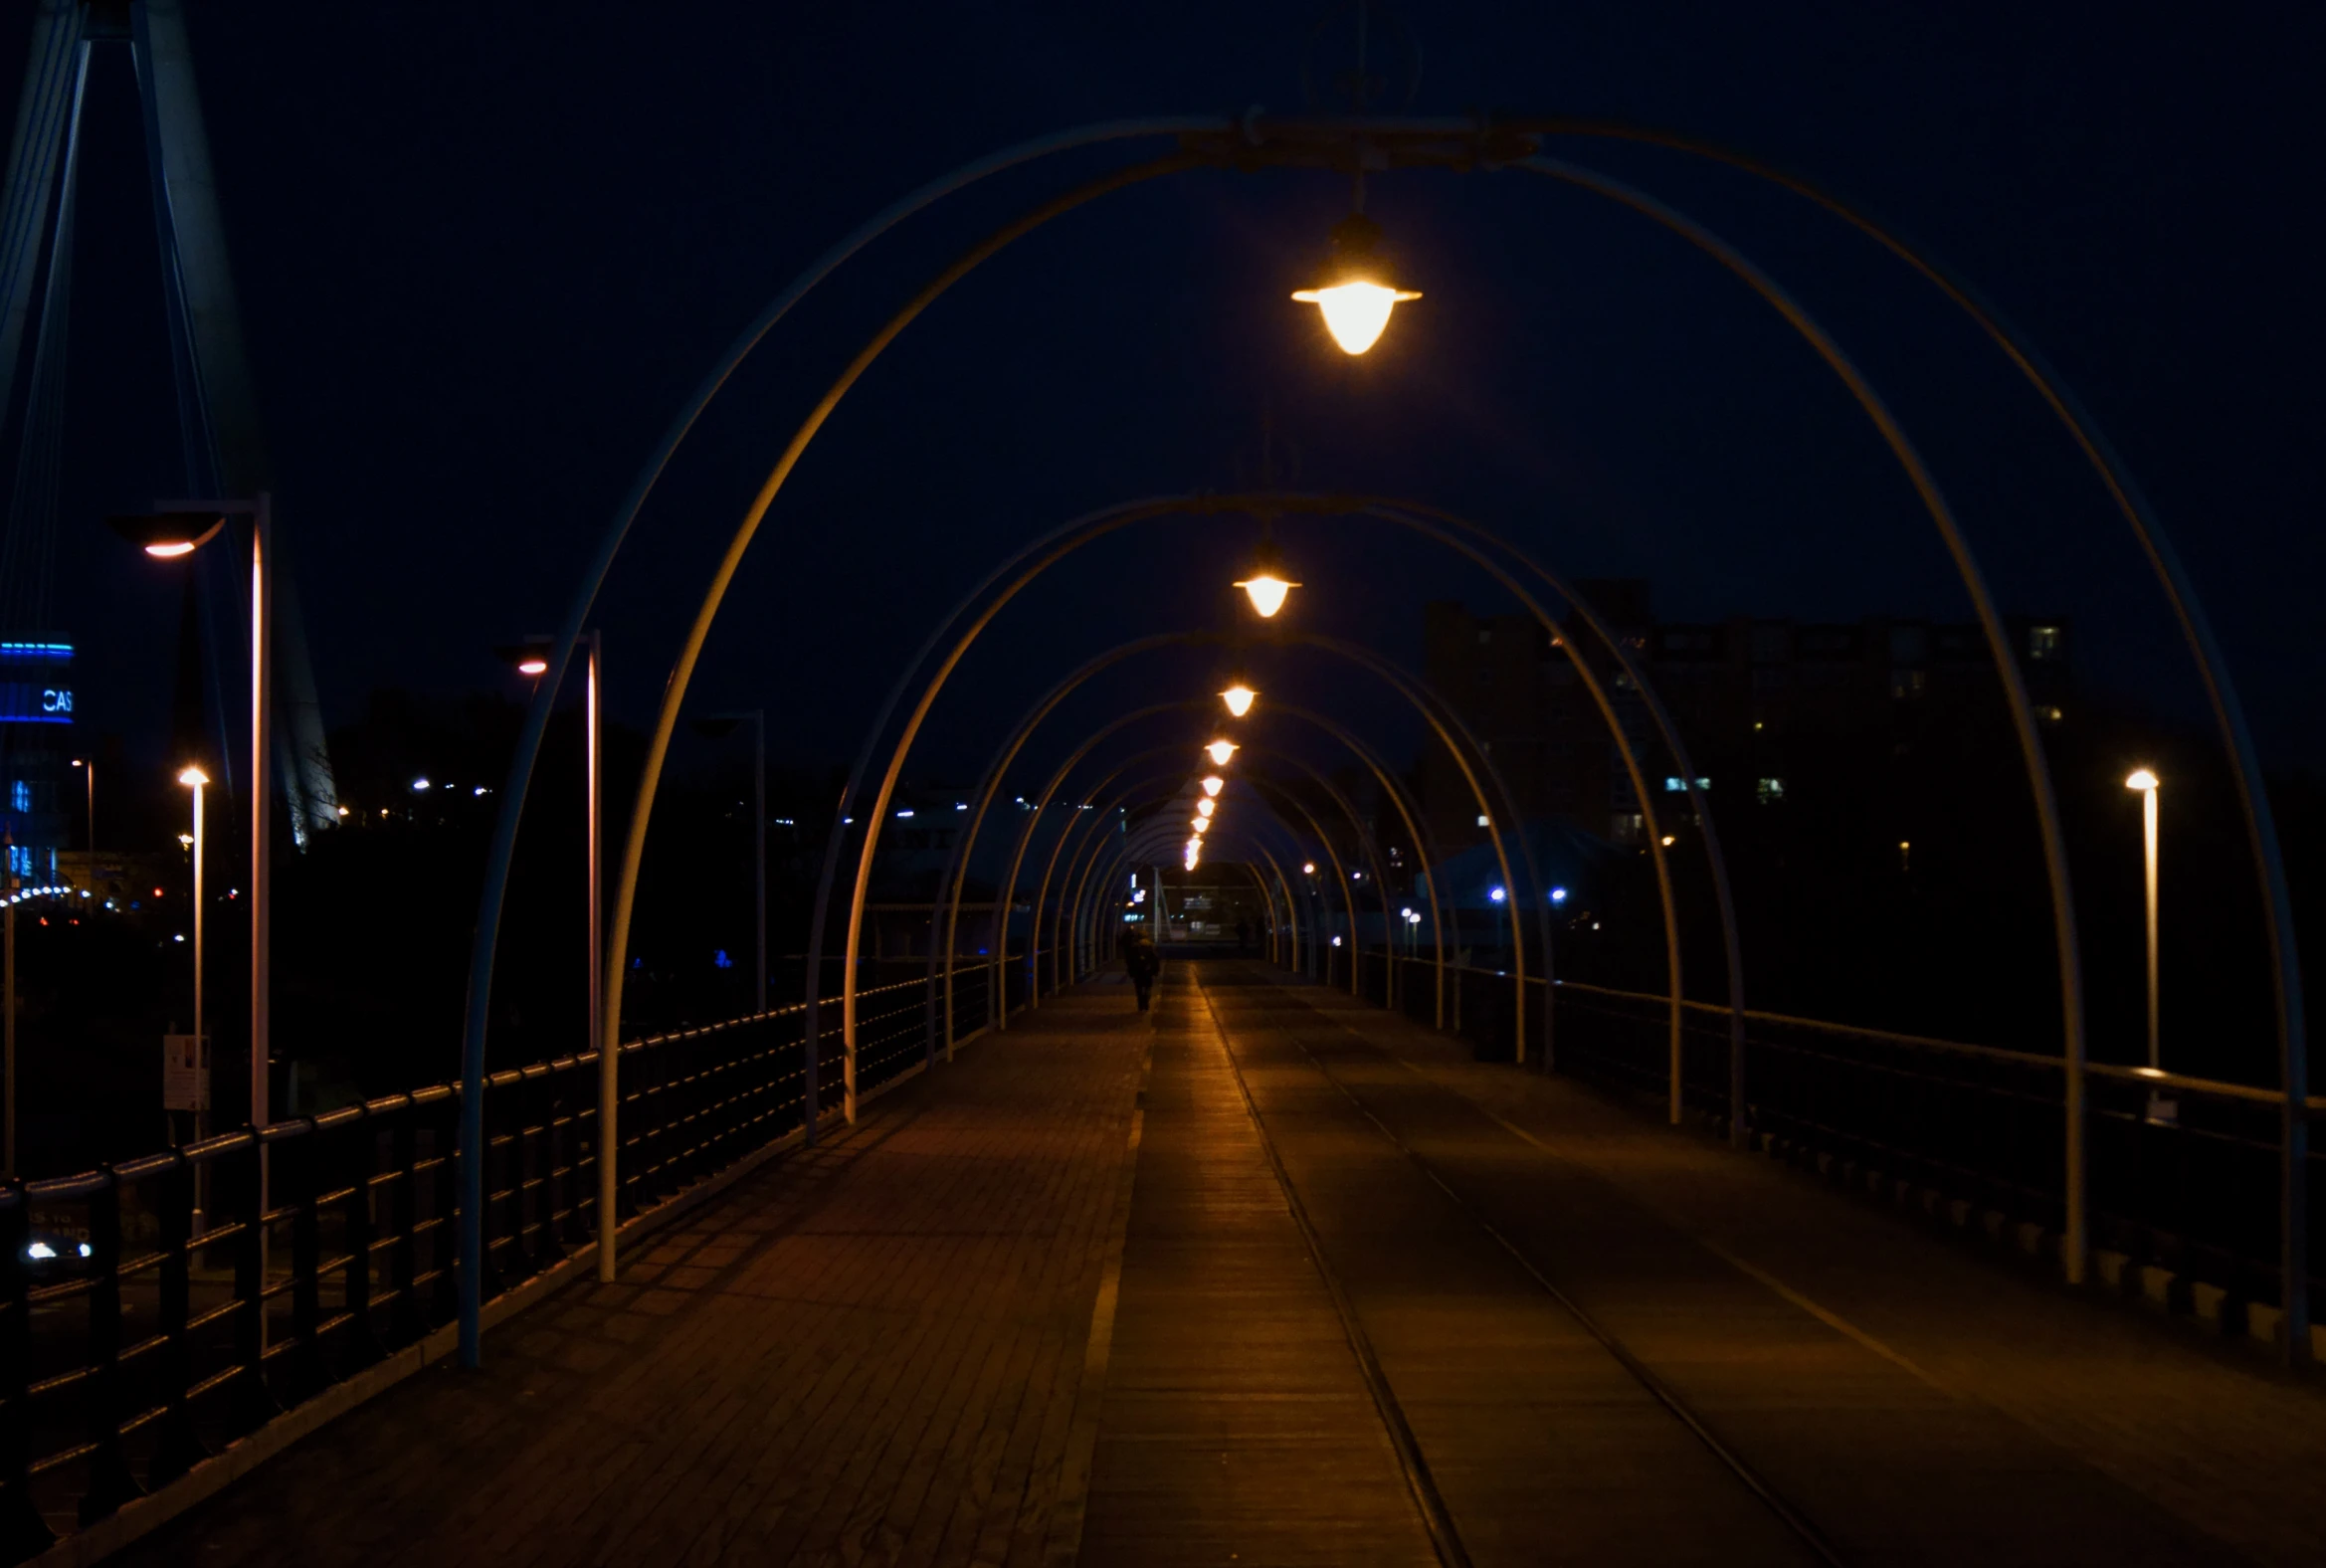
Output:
[[1307, 868], [1205, 806], [1213, 785], [1202, 825], [168, 533], [531, 661], [1219, 751], [1356, 293], [1239, 700], [196, 780], [89, 766], [1264, 582], [2147, 784]]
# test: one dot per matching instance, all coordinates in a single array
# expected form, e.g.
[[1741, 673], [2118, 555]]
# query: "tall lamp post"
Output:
[[533, 661], [169, 533], [2145, 782], [195, 779], [88, 765]]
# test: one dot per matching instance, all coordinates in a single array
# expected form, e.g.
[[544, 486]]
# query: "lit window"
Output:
[[1482, 820], [1769, 791], [1905, 684], [19, 795], [2044, 642]]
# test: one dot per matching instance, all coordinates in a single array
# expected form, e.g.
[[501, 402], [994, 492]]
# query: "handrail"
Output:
[[2111, 1069]]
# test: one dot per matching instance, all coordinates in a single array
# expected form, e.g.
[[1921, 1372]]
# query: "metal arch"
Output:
[[2077, 1240], [1348, 897], [1363, 658], [989, 782], [527, 753], [1356, 823], [1041, 896], [2195, 626], [1439, 521], [1091, 846]]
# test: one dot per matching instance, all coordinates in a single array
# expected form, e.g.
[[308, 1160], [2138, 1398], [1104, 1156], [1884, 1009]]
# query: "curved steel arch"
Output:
[[2179, 592], [1356, 824], [1478, 139]]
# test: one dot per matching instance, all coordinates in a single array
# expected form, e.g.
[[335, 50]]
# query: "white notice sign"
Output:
[[185, 1073]]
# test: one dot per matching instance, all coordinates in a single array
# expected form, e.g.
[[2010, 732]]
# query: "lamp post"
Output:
[[195, 779], [173, 531], [88, 765], [531, 661], [2145, 782]]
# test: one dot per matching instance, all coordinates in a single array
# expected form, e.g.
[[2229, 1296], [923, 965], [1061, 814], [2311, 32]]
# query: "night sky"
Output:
[[484, 251]]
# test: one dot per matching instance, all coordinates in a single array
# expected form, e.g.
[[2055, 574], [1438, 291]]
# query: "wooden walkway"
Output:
[[1269, 1277]]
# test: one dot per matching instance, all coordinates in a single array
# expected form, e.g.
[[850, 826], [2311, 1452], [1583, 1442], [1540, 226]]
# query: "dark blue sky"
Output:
[[484, 252]]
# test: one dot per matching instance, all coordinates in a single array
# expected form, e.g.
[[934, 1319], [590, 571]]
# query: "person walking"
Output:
[[1142, 961]]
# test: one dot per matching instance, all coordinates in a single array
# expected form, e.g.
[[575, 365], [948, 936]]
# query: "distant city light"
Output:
[[419, 784], [1496, 894], [1558, 895], [905, 812]]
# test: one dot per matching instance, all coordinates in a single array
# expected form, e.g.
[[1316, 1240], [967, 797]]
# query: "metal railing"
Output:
[[153, 1310], [2185, 1172]]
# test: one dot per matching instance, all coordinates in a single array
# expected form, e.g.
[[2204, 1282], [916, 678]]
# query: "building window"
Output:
[[1905, 684], [1628, 827], [1482, 823], [19, 795], [1769, 791], [1679, 786], [2043, 642]]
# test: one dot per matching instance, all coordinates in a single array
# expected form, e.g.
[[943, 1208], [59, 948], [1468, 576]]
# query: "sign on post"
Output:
[[185, 1073]]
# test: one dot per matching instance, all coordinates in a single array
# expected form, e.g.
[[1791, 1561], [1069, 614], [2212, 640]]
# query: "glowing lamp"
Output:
[[1496, 894], [185, 840], [1200, 824], [1213, 786], [193, 778], [1265, 584], [1219, 751], [2142, 779], [1239, 697], [167, 535], [1356, 293], [1308, 868], [532, 664], [1206, 806]]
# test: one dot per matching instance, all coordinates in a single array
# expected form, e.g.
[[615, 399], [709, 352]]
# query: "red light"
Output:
[[157, 892]]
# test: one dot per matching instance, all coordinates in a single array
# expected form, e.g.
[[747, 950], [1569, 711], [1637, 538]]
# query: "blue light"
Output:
[[1496, 894], [720, 960], [1558, 895], [905, 812]]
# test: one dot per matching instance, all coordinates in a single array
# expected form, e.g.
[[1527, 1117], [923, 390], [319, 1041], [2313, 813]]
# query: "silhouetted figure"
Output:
[[1142, 961]]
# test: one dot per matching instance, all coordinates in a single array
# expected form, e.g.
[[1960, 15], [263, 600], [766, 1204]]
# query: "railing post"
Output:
[[360, 1163], [109, 1482], [177, 1447], [254, 1403], [302, 1156], [406, 1321], [23, 1533]]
